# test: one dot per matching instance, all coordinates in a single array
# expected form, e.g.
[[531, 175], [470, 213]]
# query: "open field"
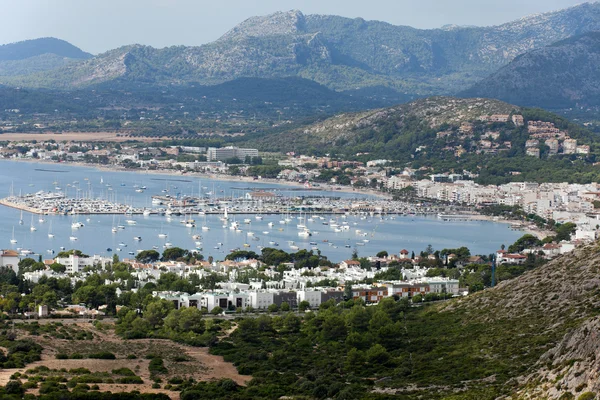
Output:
[[180, 360], [75, 136]]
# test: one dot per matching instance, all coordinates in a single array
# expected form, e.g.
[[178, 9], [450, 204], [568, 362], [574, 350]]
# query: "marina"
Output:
[[220, 219]]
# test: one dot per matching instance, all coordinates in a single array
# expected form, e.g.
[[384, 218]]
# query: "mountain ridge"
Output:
[[570, 66], [341, 53]]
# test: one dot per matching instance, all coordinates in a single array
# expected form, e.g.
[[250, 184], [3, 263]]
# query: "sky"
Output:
[[100, 25]]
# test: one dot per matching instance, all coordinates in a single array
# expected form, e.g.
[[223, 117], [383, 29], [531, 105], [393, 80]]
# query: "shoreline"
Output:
[[539, 233], [219, 177]]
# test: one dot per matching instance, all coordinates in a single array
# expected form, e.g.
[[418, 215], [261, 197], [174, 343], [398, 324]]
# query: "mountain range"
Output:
[[340, 53], [561, 75]]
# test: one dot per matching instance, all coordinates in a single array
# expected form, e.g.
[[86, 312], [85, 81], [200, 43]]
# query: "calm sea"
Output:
[[390, 233]]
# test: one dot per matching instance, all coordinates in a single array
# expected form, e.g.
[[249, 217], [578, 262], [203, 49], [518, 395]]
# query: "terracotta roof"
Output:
[[403, 251]]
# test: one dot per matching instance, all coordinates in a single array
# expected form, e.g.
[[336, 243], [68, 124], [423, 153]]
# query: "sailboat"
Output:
[[13, 240], [115, 229], [205, 226], [21, 219], [225, 217], [32, 228], [50, 234]]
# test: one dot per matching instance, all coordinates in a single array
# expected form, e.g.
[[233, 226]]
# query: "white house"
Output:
[[260, 299], [75, 263], [10, 258]]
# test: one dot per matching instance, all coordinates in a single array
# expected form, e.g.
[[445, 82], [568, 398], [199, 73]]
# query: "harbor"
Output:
[[105, 213]]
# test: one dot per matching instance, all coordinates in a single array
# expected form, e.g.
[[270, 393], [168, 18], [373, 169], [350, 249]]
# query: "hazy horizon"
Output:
[[96, 28]]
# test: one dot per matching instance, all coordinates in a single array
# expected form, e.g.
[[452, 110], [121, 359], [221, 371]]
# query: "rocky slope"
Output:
[[561, 75], [339, 52], [384, 127]]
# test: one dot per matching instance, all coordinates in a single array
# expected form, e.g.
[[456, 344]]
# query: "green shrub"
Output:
[[104, 355], [587, 396], [79, 371], [123, 371], [157, 366], [130, 380]]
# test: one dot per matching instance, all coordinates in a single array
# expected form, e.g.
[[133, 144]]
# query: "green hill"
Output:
[[39, 55], [533, 337], [445, 134]]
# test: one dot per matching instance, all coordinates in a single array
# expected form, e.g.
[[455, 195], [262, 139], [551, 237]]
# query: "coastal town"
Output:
[[560, 202]]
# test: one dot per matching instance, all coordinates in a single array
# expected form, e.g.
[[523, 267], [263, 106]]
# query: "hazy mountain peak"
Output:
[[37, 47], [279, 23]]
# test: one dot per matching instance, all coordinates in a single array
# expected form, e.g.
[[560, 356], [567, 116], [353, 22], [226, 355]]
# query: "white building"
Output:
[[10, 259], [224, 153], [312, 296], [260, 299], [75, 263]]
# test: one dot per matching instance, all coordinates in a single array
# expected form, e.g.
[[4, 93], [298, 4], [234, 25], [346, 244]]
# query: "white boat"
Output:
[[122, 244], [294, 247], [50, 234], [205, 228], [41, 220], [76, 225], [198, 243], [250, 233], [225, 217], [26, 252], [270, 224], [196, 237], [301, 226], [167, 245], [247, 220], [266, 232], [139, 190], [131, 222], [121, 227], [147, 212], [72, 238], [21, 219], [115, 229], [137, 238], [13, 240], [304, 233], [234, 225], [258, 217], [162, 235]]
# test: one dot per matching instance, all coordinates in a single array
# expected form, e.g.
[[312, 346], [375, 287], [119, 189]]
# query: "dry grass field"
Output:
[[180, 360]]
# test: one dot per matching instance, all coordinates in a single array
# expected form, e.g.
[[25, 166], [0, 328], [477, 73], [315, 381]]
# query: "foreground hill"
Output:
[[534, 337], [37, 55], [561, 75], [338, 52]]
